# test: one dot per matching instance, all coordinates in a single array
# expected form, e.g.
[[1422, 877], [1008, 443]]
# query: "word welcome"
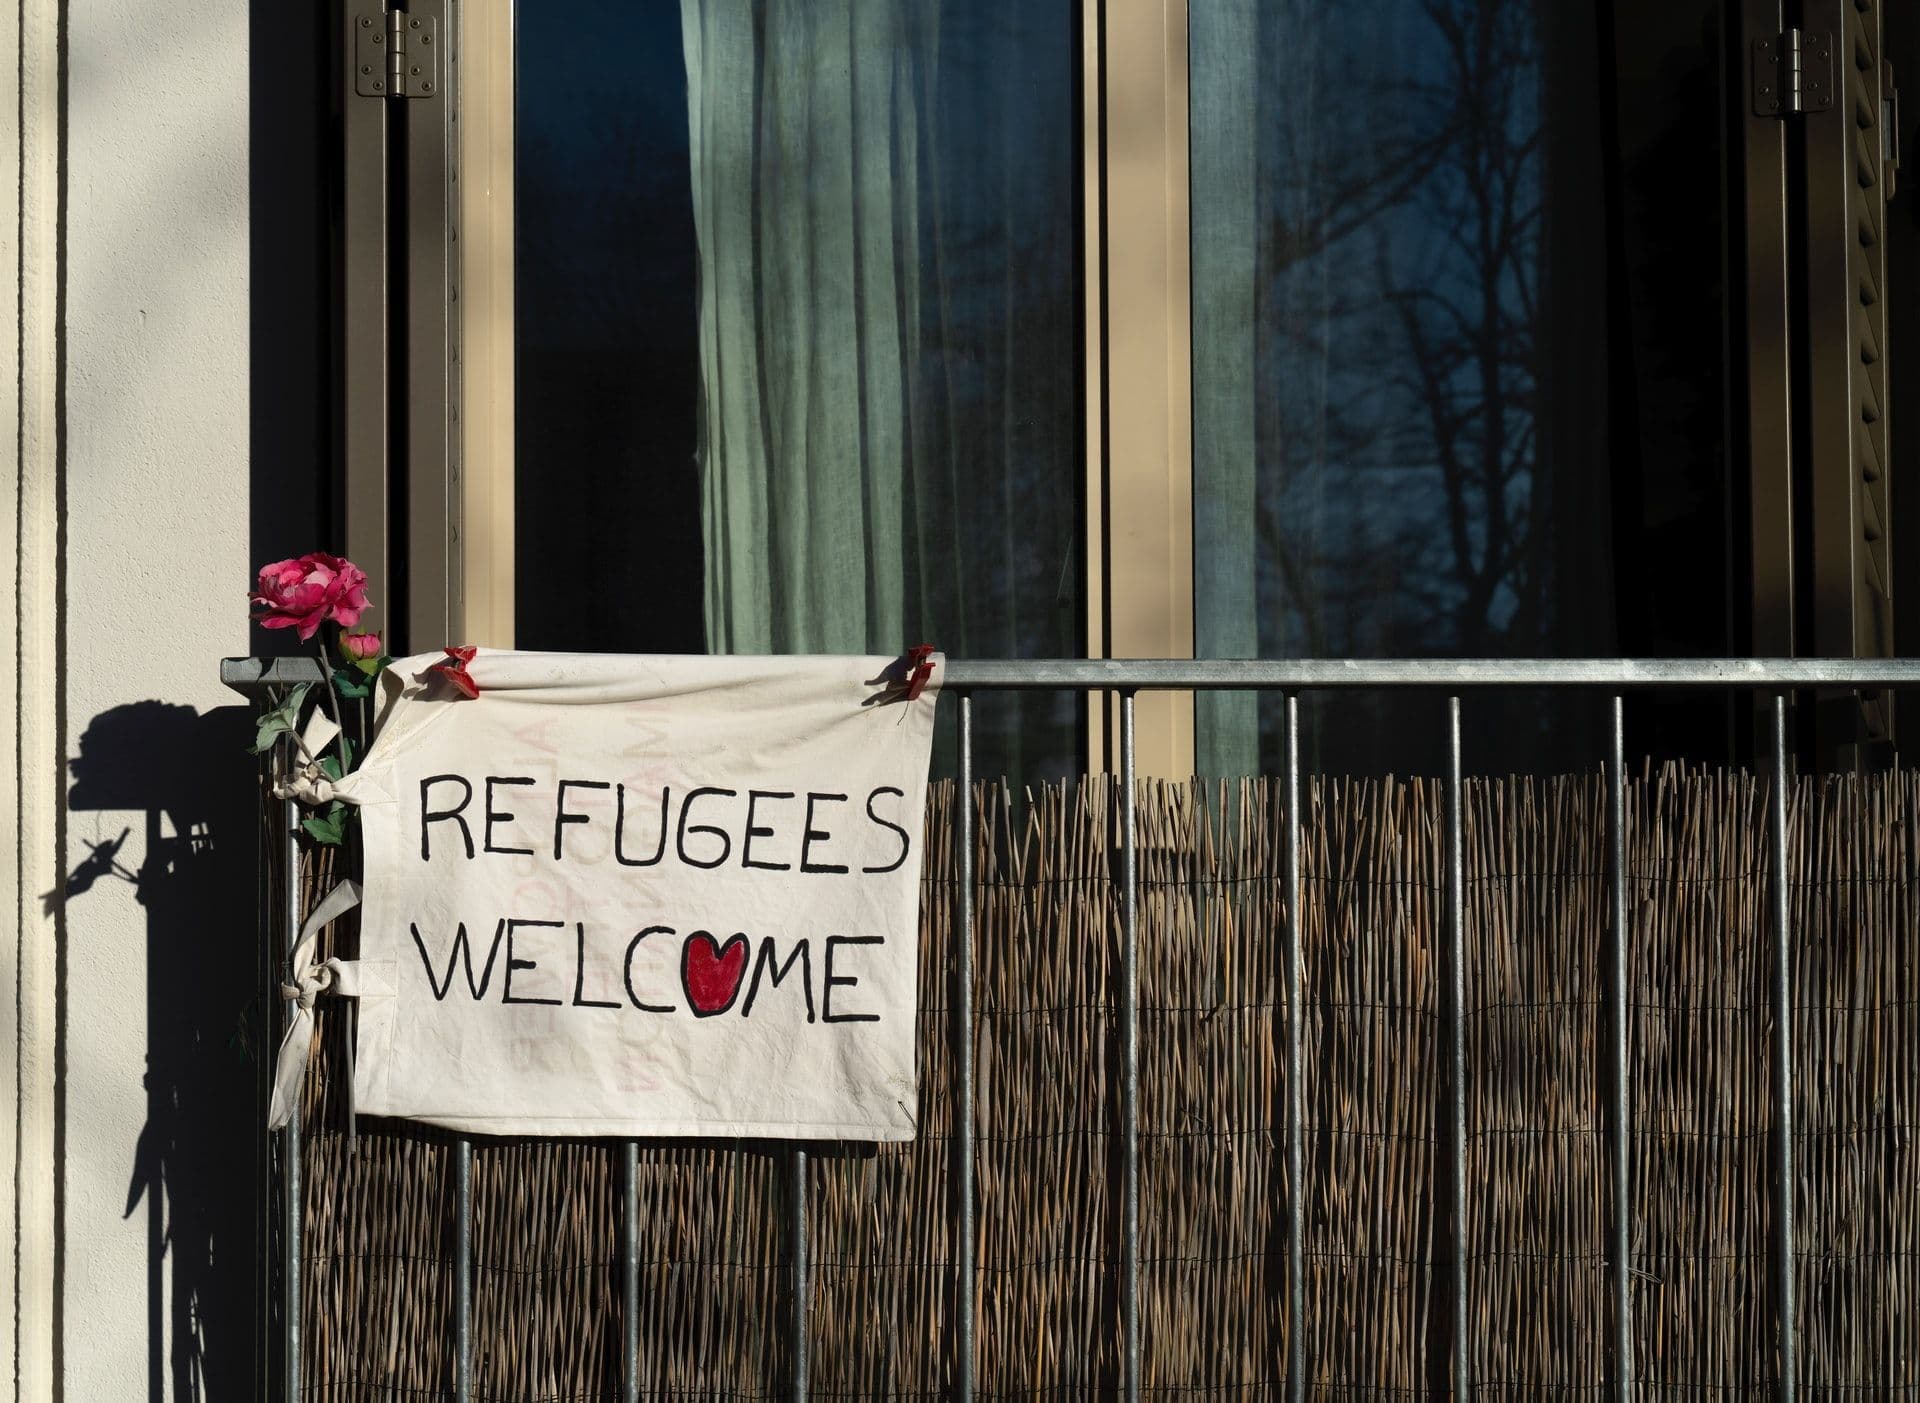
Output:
[[771, 830], [712, 972]]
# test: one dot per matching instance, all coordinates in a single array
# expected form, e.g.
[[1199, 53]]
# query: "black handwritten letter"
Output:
[[561, 818], [506, 980], [632, 947], [686, 809], [463, 952], [827, 1015], [494, 816], [906, 843], [580, 968], [809, 833], [620, 825], [765, 965], [428, 816], [754, 796]]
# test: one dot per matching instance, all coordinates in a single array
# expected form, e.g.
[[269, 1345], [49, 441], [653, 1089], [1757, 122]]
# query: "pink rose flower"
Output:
[[305, 593]]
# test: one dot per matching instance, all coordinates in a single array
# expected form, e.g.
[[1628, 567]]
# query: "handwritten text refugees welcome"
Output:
[[559, 959], [644, 896]]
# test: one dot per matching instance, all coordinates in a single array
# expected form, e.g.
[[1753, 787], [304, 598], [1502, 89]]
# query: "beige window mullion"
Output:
[[484, 431], [1140, 388]]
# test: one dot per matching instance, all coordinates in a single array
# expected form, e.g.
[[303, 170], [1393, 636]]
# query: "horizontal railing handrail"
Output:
[[1327, 674]]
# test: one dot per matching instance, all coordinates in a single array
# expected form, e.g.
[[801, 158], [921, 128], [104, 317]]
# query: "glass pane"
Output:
[[798, 334], [1458, 371]]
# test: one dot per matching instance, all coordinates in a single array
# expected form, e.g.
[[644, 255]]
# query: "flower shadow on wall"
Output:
[[189, 854]]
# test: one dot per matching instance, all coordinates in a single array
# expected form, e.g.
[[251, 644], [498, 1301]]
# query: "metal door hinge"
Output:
[[395, 55], [1793, 73]]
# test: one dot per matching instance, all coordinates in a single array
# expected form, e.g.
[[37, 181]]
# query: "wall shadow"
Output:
[[196, 1166]]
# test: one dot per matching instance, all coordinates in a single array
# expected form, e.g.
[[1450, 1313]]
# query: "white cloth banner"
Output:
[[659, 896]]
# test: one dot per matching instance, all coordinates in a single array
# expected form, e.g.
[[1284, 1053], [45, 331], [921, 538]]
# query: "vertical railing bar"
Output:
[[1454, 996], [797, 1258], [352, 1008], [963, 1049], [269, 1261], [1130, 1054], [352, 1011], [1783, 1173], [1618, 1035], [292, 1224], [1296, 1063], [630, 1271], [463, 1270]]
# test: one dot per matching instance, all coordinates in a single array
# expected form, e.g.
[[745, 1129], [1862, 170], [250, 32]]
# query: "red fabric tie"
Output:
[[920, 660], [454, 669]]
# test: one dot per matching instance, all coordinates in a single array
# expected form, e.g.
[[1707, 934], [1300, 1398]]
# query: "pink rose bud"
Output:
[[363, 650], [305, 593]]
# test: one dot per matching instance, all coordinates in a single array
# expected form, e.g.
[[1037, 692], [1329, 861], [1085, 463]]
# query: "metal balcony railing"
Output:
[[1770, 680]]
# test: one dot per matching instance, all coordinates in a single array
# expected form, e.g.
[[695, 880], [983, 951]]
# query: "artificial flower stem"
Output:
[[326, 690]]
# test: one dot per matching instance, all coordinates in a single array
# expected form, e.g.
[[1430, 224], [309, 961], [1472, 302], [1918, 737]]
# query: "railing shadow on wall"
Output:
[[1441, 987], [206, 1021]]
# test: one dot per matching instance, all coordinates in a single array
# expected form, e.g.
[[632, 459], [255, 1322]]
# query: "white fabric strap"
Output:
[[310, 981], [309, 783]]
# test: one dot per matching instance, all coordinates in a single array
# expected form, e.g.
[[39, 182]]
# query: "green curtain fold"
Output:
[[804, 119]]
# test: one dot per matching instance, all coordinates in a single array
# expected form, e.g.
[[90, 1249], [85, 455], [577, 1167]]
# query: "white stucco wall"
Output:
[[30, 778], [156, 475]]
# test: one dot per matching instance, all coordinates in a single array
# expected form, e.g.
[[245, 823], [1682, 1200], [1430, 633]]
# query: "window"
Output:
[[953, 286], [1460, 386], [798, 293], [1394, 327]]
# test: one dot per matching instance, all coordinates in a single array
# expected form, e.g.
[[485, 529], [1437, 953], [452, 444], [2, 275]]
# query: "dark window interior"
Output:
[[607, 354]]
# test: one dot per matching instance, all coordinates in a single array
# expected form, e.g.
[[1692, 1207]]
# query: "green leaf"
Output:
[[283, 720], [329, 828], [348, 682], [372, 666], [334, 766]]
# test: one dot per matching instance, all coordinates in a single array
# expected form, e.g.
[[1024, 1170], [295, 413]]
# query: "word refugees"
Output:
[[768, 830]]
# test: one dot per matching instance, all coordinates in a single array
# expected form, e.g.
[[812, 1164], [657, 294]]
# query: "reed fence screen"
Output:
[[380, 1291]]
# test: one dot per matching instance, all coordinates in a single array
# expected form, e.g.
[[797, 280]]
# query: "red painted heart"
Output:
[[710, 972]]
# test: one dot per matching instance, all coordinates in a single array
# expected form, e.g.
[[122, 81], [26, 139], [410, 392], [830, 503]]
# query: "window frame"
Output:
[[1137, 377], [484, 98], [428, 490]]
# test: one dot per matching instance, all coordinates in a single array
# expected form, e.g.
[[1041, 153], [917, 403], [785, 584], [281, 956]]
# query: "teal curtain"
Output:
[[803, 120], [884, 197], [1223, 56]]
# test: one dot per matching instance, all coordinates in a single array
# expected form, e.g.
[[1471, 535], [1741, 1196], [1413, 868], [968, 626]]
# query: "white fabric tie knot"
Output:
[[313, 981], [315, 978], [310, 784]]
